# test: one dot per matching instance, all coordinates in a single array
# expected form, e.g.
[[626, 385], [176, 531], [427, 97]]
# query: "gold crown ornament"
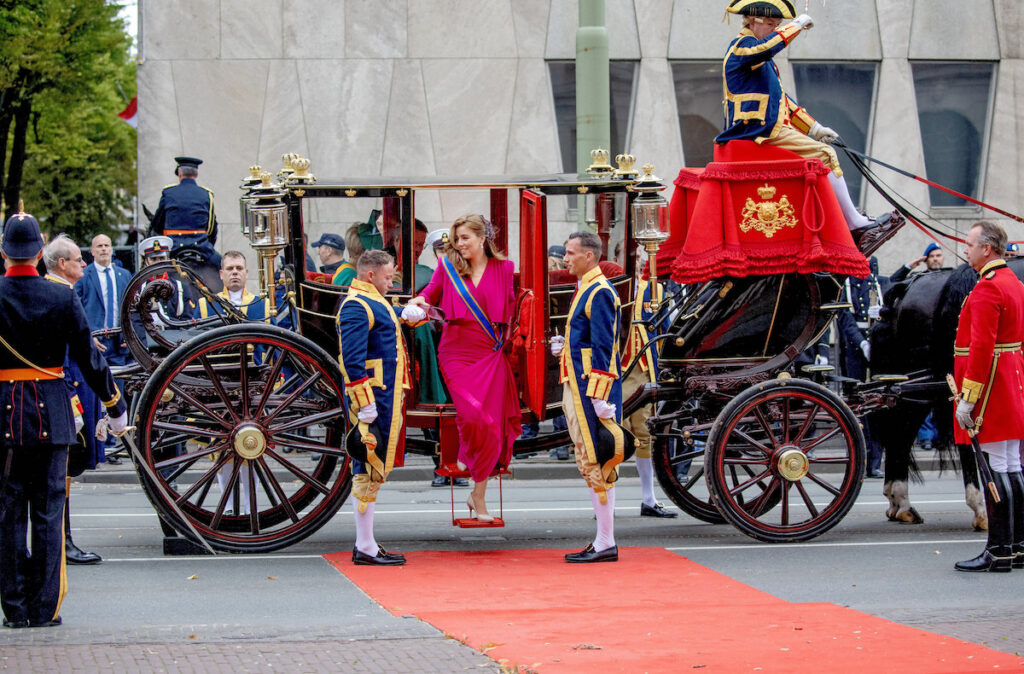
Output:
[[625, 162], [766, 192], [599, 162]]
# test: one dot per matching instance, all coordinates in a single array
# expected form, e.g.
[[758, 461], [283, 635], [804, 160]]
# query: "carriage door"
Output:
[[533, 305]]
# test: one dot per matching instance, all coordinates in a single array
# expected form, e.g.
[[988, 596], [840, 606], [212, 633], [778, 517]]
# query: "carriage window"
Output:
[[953, 108], [622, 77], [698, 86], [841, 96]]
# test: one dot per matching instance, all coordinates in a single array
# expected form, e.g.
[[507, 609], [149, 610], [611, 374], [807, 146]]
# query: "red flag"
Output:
[[131, 113]]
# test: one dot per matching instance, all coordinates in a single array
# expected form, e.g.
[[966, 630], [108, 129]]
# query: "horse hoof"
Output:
[[980, 524], [890, 513], [910, 516]]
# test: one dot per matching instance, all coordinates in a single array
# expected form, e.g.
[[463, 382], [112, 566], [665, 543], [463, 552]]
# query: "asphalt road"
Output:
[[273, 604]]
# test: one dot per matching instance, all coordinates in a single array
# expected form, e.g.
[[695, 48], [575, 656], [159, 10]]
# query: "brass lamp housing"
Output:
[[650, 221]]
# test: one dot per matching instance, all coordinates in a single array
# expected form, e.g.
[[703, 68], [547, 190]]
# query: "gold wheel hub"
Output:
[[250, 442], [793, 464]]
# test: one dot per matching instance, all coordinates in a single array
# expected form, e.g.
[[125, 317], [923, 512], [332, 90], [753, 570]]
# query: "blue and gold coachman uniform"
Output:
[[255, 308], [40, 323], [590, 368], [186, 214], [375, 363]]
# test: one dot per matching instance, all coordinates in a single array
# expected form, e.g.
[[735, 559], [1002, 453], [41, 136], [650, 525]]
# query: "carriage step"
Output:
[[890, 378], [472, 523]]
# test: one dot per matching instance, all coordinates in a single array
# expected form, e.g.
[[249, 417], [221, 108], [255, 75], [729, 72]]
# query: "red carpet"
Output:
[[653, 611]]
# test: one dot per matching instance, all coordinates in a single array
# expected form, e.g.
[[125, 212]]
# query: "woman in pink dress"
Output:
[[473, 287]]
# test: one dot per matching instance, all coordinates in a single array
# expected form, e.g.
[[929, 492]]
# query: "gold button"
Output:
[[42, 405], [44, 434]]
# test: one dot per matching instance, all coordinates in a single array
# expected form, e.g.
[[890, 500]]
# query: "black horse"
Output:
[[915, 338]]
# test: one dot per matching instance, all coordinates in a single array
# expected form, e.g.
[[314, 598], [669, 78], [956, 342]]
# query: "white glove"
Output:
[[963, 414], [823, 133], [875, 311], [557, 344], [804, 21], [865, 348], [367, 413], [821, 360], [119, 424], [413, 314], [79, 423], [603, 409]]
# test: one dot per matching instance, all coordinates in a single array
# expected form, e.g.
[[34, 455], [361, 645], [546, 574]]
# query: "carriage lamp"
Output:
[[248, 183], [650, 220], [268, 232]]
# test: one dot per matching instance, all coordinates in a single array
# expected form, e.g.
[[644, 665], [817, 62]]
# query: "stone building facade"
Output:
[[447, 87]]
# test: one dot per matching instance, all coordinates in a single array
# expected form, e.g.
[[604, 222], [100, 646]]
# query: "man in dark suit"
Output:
[[41, 323], [101, 291], [186, 214]]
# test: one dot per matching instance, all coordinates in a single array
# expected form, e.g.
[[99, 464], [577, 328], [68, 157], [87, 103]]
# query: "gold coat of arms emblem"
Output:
[[767, 216]]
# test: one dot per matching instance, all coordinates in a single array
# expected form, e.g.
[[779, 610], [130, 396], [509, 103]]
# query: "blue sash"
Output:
[[471, 303]]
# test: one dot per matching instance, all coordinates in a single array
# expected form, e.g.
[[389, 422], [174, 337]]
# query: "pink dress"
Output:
[[479, 378]]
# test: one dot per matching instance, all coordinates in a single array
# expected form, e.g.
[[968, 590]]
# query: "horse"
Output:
[[915, 337]]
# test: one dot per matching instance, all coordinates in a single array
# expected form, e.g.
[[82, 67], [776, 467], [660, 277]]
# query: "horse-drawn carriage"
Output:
[[736, 437]]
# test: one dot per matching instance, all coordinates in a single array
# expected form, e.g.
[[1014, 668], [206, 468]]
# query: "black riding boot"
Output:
[[72, 553], [1017, 487], [997, 555]]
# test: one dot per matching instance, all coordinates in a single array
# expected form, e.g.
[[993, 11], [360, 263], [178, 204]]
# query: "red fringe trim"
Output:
[[754, 170], [722, 261]]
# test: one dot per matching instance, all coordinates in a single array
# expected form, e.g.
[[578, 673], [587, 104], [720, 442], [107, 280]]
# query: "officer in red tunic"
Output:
[[989, 371]]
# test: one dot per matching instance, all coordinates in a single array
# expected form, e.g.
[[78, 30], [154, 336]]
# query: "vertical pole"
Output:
[[593, 124]]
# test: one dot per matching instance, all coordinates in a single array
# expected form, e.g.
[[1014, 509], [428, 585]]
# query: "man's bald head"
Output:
[[102, 250]]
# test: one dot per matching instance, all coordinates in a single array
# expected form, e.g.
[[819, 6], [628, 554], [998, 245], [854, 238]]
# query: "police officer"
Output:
[[989, 372], [186, 214], [40, 323]]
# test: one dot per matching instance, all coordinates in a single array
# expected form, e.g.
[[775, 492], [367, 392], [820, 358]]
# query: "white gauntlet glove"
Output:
[[413, 314], [119, 425], [557, 344], [963, 414], [804, 21], [875, 311], [823, 134], [79, 423], [367, 413], [821, 360], [865, 348], [603, 409]]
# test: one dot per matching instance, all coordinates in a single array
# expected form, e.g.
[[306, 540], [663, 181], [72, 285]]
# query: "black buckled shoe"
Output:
[[656, 510], [75, 555], [382, 558], [986, 561], [1018, 558], [588, 555], [870, 238], [15, 624], [46, 623]]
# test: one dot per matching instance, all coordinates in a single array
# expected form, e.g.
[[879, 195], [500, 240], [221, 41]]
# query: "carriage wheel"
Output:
[[678, 459], [235, 401], [785, 460]]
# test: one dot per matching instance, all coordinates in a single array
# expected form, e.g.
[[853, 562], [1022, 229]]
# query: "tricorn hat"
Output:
[[773, 9], [186, 161], [613, 444], [366, 444], [21, 237]]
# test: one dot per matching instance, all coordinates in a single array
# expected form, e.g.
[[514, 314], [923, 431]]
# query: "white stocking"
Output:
[[854, 218], [365, 542], [605, 520], [645, 468]]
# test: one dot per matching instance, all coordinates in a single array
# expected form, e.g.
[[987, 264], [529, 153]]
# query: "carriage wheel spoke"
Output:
[[276, 486], [820, 439], [243, 379], [219, 387], [195, 403], [807, 499], [257, 467], [785, 502], [310, 420], [806, 424], [785, 420], [291, 398], [275, 372], [761, 419], [296, 442], [751, 441], [299, 473], [821, 483], [230, 491], [254, 513], [686, 456], [190, 431], [757, 507], [744, 461], [696, 476], [189, 458], [735, 491], [204, 479]]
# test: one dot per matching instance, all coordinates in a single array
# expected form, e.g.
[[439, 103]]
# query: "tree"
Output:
[[62, 147]]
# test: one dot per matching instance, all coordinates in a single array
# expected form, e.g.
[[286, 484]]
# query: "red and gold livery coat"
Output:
[[988, 365]]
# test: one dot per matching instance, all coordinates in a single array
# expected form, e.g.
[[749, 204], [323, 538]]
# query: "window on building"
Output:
[[698, 86], [954, 108], [840, 96], [563, 85]]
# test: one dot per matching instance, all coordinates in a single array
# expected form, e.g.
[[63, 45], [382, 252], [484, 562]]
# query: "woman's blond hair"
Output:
[[480, 226]]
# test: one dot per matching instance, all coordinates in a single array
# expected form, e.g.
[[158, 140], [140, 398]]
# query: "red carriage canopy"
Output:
[[756, 211]]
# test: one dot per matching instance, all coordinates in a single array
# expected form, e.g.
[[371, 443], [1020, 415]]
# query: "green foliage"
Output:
[[67, 63]]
